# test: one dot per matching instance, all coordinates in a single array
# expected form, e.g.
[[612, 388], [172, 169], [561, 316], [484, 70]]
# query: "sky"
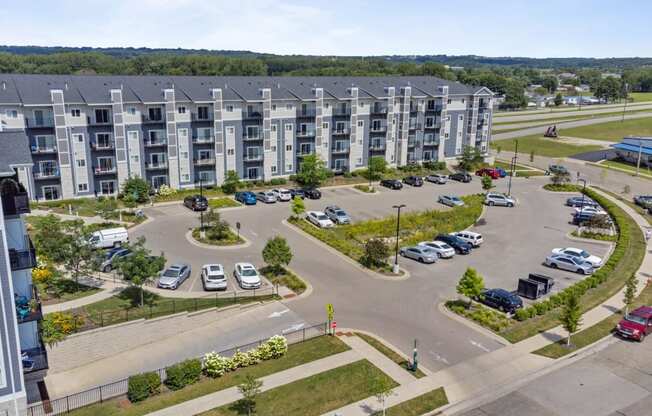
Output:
[[541, 28]]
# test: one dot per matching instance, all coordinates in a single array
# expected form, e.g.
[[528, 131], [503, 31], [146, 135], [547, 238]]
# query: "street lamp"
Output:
[[201, 213], [579, 222], [398, 226]]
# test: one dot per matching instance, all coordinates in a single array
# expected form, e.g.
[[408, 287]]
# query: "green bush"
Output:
[[434, 165], [277, 181], [142, 386], [182, 374]]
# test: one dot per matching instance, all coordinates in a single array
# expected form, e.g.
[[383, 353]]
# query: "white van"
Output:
[[111, 237], [470, 237]]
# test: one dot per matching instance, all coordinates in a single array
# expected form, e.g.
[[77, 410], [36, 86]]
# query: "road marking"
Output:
[[477, 344], [293, 328], [278, 314], [254, 233], [439, 357]]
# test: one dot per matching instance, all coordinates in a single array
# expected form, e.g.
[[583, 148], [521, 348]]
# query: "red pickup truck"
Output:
[[492, 172], [637, 324]]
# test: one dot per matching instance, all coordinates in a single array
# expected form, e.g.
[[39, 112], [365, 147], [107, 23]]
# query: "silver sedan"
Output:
[[572, 264], [422, 254]]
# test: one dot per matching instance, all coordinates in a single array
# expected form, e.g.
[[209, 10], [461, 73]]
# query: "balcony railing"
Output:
[[44, 150], [305, 133], [32, 122], [35, 359], [340, 132], [103, 146], [252, 114], [310, 112], [378, 110], [94, 122], [415, 126], [342, 111], [20, 259], [156, 165], [195, 117], [430, 142], [104, 170], [344, 167], [341, 149], [203, 139], [15, 204], [48, 174], [377, 147], [28, 310], [156, 143], [146, 119], [204, 162], [253, 157], [436, 109], [305, 152], [412, 143], [378, 129]]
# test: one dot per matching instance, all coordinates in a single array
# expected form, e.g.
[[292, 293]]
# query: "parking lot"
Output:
[[517, 240]]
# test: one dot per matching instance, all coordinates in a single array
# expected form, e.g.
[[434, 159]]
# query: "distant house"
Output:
[[609, 75], [583, 87], [566, 75], [630, 147]]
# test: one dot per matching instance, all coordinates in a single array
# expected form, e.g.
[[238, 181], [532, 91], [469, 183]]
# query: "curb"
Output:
[[469, 323], [305, 293], [615, 169], [196, 243], [590, 241]]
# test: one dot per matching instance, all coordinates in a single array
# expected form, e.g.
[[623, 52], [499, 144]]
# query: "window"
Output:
[[183, 133], [230, 152], [131, 111], [324, 125], [460, 117], [202, 113], [289, 167], [81, 163], [107, 187], [230, 130], [75, 112], [273, 168], [358, 161], [203, 154], [252, 132], [135, 158], [229, 108], [206, 176], [132, 135], [50, 192], [305, 148], [273, 127], [272, 148], [463, 100], [288, 127], [103, 140], [45, 143], [82, 187], [448, 118], [184, 155], [446, 135], [327, 105], [79, 138], [360, 123], [101, 115], [12, 113], [449, 101], [288, 106], [288, 147], [185, 177], [155, 114], [181, 110], [273, 107]]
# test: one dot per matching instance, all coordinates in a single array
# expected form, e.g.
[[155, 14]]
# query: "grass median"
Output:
[[314, 395], [390, 353], [419, 405], [297, 354], [614, 130], [542, 146]]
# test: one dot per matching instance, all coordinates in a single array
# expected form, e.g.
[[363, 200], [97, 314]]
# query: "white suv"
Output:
[[475, 239], [494, 198], [282, 194], [247, 276], [213, 277]]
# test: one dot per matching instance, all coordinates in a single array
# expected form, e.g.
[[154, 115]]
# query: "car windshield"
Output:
[[340, 213], [248, 272], [584, 254], [322, 217], [171, 273], [636, 319], [454, 198], [428, 250], [215, 269], [577, 261], [445, 246], [285, 192]]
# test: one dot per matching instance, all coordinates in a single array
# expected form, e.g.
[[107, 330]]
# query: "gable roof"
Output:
[[14, 151]]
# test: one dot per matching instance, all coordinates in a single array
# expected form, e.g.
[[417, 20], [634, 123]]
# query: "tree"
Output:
[[136, 188], [312, 171], [106, 208], [298, 206], [471, 157], [140, 267], [609, 89], [76, 251], [47, 237], [382, 388], [532, 155], [598, 222], [277, 253], [571, 315], [470, 285], [559, 100], [231, 182], [250, 390], [216, 227], [630, 292], [550, 84], [376, 252], [377, 166], [560, 178], [487, 183]]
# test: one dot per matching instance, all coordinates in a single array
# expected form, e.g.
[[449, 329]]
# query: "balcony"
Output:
[[146, 119], [431, 126], [156, 165], [250, 115], [412, 143], [305, 152], [44, 150], [21, 259], [204, 162], [338, 150], [156, 143], [431, 142], [306, 133], [374, 147], [102, 146], [378, 129], [104, 170], [341, 168], [196, 117], [15, 204], [203, 139], [253, 157], [48, 174], [341, 132], [434, 109], [252, 138], [93, 122], [415, 126], [341, 111], [35, 359], [31, 122], [28, 310], [309, 112], [378, 110]]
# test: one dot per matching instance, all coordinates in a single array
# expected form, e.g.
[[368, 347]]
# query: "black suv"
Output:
[[460, 246], [501, 299], [558, 169], [461, 177], [312, 193], [196, 202], [391, 184], [413, 180]]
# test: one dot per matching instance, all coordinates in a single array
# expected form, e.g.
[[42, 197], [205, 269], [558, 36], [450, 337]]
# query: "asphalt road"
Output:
[[586, 110], [516, 243]]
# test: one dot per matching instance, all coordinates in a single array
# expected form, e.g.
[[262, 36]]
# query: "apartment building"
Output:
[[88, 134], [22, 353]]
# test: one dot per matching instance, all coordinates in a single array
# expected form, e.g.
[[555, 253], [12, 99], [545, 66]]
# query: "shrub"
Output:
[[142, 386], [56, 326], [521, 315], [182, 374], [215, 365], [136, 189], [375, 253], [278, 345], [434, 165], [278, 181], [240, 359], [165, 190], [231, 182]]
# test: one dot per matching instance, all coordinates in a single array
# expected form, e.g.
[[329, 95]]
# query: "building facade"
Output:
[[88, 134]]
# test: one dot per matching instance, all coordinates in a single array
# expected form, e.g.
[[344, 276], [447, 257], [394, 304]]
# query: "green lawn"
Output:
[[626, 166], [419, 405], [629, 201], [613, 131], [641, 96], [230, 238], [507, 166], [315, 395], [297, 354], [390, 353], [64, 290], [284, 277], [223, 202], [125, 306], [543, 146]]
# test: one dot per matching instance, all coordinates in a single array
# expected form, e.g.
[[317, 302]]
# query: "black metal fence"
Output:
[[105, 392]]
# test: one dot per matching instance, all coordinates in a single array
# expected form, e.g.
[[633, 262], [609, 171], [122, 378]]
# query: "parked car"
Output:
[[580, 218], [174, 276], [494, 198], [422, 254], [644, 201], [491, 172], [107, 263], [312, 193], [266, 196], [580, 254], [501, 299], [590, 210], [460, 246], [559, 169], [636, 324], [450, 200], [461, 177], [319, 219], [502, 172], [391, 184], [443, 250], [196, 202], [337, 215], [246, 197], [579, 201], [213, 277], [473, 238], [282, 194], [569, 263], [247, 276], [298, 192], [110, 237], [437, 178], [413, 180]]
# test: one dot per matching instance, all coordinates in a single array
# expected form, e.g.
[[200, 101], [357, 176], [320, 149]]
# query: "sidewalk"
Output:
[[88, 220], [470, 379]]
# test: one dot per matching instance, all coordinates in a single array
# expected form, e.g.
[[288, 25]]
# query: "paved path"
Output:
[[107, 290], [88, 220], [584, 112], [570, 110]]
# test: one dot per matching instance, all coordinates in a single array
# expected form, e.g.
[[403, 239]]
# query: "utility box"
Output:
[[530, 289], [549, 282]]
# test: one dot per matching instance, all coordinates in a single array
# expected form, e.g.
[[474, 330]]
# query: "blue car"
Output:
[[502, 172], [247, 198]]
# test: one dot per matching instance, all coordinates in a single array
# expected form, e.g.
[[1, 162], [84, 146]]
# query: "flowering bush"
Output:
[[56, 326], [265, 351], [278, 345], [165, 190], [240, 359], [43, 275], [216, 365]]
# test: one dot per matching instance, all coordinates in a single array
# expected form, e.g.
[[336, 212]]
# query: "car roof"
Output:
[[471, 233], [501, 292], [245, 265], [177, 266], [217, 265], [643, 311]]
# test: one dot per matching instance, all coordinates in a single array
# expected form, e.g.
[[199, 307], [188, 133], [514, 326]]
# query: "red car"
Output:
[[637, 324], [492, 172]]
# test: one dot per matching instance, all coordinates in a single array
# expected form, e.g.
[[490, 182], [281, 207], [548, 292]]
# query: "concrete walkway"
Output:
[[108, 289], [88, 220]]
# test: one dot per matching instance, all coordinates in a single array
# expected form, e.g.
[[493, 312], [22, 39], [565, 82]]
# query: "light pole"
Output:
[[579, 222], [201, 213], [512, 168], [398, 226], [625, 106]]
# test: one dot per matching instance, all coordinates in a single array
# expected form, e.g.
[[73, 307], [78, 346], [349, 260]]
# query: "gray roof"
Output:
[[14, 151], [94, 89]]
